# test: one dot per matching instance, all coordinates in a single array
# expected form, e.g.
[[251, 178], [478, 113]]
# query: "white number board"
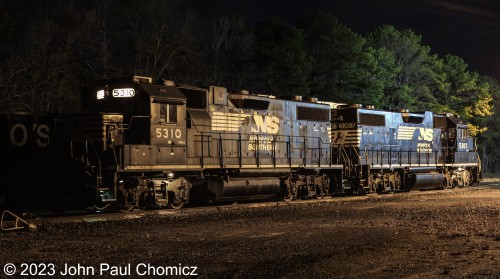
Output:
[[123, 92]]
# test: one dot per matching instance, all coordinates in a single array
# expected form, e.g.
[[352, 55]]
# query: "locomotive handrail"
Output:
[[240, 159], [130, 122], [274, 151], [345, 157], [479, 162], [195, 126], [257, 150], [98, 160], [366, 153], [436, 157], [304, 143], [221, 151]]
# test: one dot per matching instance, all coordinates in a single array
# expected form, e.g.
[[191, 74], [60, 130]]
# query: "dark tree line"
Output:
[[49, 49]]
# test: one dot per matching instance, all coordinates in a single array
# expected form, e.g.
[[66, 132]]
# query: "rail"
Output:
[[99, 162]]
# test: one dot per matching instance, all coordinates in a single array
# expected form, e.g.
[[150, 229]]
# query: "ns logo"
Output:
[[426, 134], [265, 124]]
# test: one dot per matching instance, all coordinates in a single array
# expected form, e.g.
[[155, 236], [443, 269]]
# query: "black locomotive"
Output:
[[140, 143]]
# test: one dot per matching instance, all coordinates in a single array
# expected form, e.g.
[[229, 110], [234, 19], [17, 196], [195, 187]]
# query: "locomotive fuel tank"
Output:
[[426, 180], [244, 188]]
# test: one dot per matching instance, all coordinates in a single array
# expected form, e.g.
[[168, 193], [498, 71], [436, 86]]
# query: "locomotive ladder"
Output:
[[350, 168], [346, 161]]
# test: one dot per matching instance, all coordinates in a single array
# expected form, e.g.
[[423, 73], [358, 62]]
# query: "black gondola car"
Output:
[[36, 167]]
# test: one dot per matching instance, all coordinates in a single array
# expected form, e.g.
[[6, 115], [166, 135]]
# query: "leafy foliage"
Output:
[[340, 66], [280, 57], [49, 49], [229, 46]]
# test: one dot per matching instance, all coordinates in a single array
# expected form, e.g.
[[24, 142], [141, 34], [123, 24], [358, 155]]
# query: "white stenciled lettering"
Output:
[[426, 134], [424, 147], [19, 130], [168, 133], [43, 136], [266, 124], [264, 143]]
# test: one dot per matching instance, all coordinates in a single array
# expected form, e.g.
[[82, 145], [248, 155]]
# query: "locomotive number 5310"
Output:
[[168, 133]]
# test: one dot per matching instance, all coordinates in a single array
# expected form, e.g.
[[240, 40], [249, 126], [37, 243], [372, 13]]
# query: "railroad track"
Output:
[[83, 216]]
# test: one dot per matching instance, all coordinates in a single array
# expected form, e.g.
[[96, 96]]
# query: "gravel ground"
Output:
[[439, 234]]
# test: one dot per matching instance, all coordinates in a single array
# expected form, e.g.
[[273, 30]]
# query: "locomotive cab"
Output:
[[458, 140], [141, 115], [130, 123]]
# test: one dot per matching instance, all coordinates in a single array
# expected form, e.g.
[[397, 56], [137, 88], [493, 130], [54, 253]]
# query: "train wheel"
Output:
[[323, 189], [397, 181], [380, 188], [293, 192], [445, 184], [373, 185], [174, 202], [467, 178], [459, 182], [176, 205]]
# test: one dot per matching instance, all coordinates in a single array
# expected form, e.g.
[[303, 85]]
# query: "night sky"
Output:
[[468, 29]]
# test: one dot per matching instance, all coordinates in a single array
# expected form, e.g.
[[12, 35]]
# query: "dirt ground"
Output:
[[433, 234]]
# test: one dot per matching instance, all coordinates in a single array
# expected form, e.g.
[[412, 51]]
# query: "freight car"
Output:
[[35, 166]]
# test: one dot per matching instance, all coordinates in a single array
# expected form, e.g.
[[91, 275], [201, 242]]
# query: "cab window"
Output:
[[168, 113], [462, 134]]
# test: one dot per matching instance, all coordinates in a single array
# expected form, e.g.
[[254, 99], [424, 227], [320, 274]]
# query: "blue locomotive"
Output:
[[144, 144], [392, 151]]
